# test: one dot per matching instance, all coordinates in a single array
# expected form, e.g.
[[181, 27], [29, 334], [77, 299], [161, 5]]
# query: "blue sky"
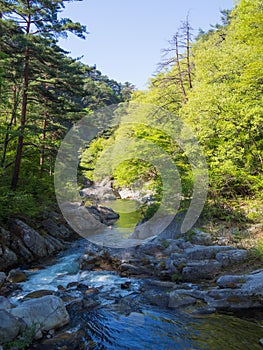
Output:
[[126, 36]]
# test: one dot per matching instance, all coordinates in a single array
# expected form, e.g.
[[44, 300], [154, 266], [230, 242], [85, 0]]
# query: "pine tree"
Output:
[[35, 19]]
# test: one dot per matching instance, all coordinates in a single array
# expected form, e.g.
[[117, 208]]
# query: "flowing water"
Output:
[[139, 325]]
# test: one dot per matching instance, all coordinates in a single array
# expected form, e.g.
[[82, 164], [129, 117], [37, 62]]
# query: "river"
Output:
[[124, 320]]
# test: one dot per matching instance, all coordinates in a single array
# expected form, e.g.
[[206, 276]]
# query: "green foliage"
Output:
[[224, 106], [150, 210], [43, 92], [132, 170], [177, 277], [23, 341], [257, 251], [213, 85], [226, 102], [226, 210], [29, 200]]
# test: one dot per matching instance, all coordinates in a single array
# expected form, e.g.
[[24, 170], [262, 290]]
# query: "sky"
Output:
[[126, 36]]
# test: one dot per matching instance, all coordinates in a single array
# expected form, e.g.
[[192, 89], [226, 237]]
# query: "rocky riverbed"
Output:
[[53, 303], [186, 261]]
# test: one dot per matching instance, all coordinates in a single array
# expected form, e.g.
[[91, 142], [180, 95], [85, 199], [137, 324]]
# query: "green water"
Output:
[[130, 212]]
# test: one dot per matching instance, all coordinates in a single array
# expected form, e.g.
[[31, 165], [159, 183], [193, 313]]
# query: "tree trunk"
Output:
[[42, 152], [9, 126], [19, 149], [180, 75], [188, 54], [50, 164]]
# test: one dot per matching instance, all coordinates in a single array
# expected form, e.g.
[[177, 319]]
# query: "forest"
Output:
[[43, 93], [212, 82]]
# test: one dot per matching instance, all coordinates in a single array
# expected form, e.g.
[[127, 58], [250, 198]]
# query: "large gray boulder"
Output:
[[32, 240], [53, 244], [30, 245], [56, 230], [10, 327], [231, 281], [237, 292], [44, 313]]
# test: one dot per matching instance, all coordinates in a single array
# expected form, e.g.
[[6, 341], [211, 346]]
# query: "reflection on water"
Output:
[[118, 235], [129, 211], [168, 330]]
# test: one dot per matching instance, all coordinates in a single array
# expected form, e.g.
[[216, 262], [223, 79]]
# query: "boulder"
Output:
[[178, 300], [157, 298], [4, 303], [22, 252], [171, 247], [103, 214], [182, 244], [129, 269], [232, 282], [153, 228], [31, 239], [2, 278], [233, 299], [152, 248], [88, 262], [137, 193], [253, 284], [55, 230], [5, 237], [53, 244], [16, 276], [232, 257], [199, 252], [38, 294], [82, 220], [198, 270], [238, 292], [99, 193], [10, 327], [44, 313], [8, 259], [179, 261], [75, 339]]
